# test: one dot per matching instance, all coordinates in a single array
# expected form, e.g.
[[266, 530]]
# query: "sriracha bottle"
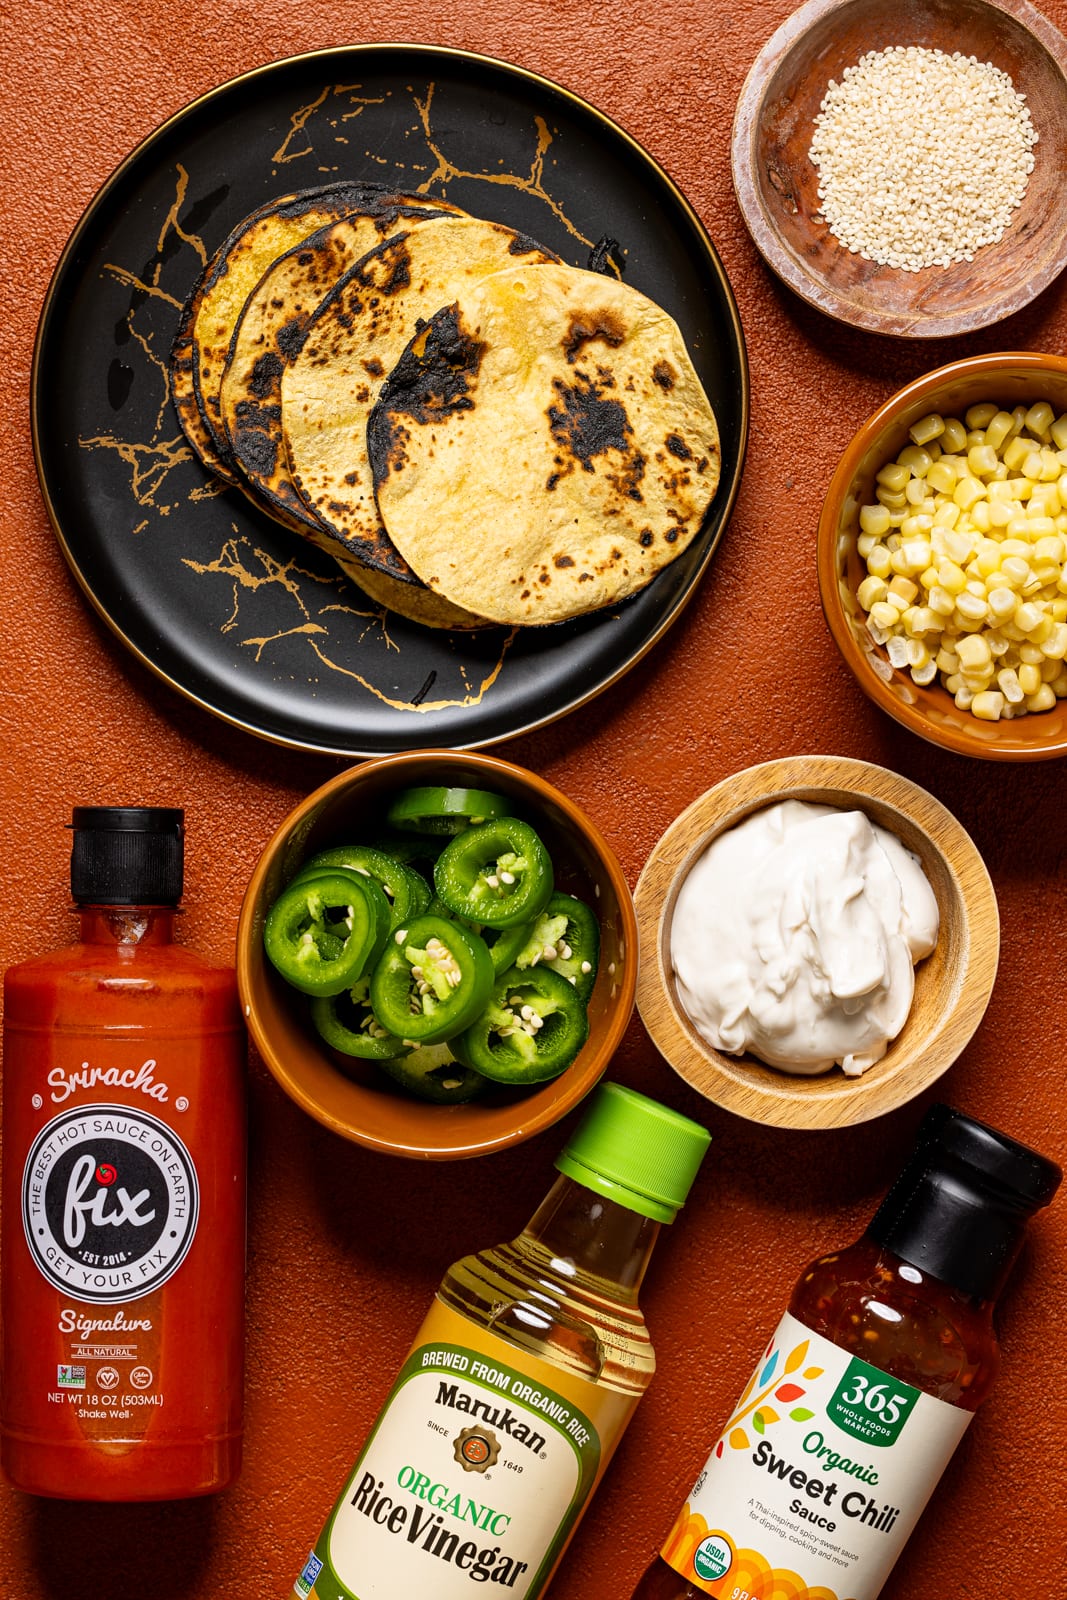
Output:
[[123, 1189], [866, 1387]]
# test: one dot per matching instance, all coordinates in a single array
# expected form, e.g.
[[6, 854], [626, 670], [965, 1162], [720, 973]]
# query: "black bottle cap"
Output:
[[960, 1207], [127, 855]]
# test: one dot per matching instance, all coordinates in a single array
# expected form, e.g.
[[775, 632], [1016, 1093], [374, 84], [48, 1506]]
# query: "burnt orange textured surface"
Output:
[[345, 1246]]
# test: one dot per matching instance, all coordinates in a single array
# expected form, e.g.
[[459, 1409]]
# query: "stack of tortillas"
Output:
[[476, 432]]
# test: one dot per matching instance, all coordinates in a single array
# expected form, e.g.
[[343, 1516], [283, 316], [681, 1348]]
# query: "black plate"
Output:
[[229, 608]]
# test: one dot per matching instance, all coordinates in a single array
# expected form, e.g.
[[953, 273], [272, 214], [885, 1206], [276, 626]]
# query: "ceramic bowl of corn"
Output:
[[942, 556]]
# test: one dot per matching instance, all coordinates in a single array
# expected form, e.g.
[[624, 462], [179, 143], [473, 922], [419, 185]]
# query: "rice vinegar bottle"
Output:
[[867, 1386], [520, 1382]]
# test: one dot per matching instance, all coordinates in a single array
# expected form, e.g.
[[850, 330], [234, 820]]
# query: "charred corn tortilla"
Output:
[[270, 331], [544, 446], [236, 268], [353, 340]]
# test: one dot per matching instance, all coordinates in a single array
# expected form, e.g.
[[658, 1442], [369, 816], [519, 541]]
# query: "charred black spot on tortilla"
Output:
[[678, 447], [265, 375], [584, 329], [386, 268], [374, 368], [702, 464], [562, 561], [671, 534], [584, 424], [524, 245], [351, 478], [290, 337], [664, 374], [645, 537], [257, 449], [552, 480], [431, 381]]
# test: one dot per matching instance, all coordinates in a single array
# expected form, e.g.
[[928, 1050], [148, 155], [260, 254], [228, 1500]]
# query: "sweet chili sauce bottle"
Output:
[[123, 1189], [867, 1386], [520, 1381]]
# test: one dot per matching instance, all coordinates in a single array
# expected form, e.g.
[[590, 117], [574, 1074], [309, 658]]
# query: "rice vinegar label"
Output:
[[818, 1479], [476, 1473]]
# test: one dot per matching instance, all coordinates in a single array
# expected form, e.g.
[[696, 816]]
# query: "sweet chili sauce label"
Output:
[[818, 1479], [109, 1202], [476, 1473]]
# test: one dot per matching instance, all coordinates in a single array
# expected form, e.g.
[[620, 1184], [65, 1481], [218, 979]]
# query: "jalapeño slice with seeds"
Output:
[[442, 810], [499, 874], [432, 1073], [347, 1023], [432, 980], [405, 889], [532, 1029], [322, 933], [566, 938]]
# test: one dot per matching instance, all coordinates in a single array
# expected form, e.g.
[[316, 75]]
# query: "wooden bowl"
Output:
[[777, 184], [952, 985], [354, 1098], [1010, 379]]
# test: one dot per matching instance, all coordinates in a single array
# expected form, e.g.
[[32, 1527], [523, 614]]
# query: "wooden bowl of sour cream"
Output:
[[952, 984]]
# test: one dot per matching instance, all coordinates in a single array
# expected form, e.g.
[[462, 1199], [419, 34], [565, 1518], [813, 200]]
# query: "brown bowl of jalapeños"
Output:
[[354, 1097]]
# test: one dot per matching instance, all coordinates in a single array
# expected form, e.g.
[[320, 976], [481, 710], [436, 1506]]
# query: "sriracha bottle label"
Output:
[[109, 1202], [817, 1480]]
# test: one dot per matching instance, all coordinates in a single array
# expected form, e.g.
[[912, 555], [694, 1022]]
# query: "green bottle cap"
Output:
[[636, 1152]]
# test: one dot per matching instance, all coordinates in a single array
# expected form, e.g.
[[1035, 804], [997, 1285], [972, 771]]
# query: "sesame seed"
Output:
[[922, 156]]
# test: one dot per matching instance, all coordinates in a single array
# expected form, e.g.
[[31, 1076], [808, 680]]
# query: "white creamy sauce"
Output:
[[795, 937]]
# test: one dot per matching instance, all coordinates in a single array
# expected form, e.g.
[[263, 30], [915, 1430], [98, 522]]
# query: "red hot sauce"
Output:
[[867, 1386], [123, 1189]]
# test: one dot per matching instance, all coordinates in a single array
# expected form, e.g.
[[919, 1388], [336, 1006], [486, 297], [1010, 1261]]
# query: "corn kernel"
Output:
[[1014, 571], [904, 588], [1039, 420], [870, 592], [879, 562], [947, 515], [1032, 466], [884, 615], [1043, 700], [980, 416], [942, 477], [1027, 616], [1010, 687], [974, 653], [942, 603], [982, 459], [927, 428], [1058, 430], [972, 607], [998, 429], [1016, 453], [952, 577], [954, 435], [892, 477], [988, 705], [892, 499], [915, 493], [1054, 646], [1002, 602], [967, 491], [874, 519], [1029, 679], [917, 460]]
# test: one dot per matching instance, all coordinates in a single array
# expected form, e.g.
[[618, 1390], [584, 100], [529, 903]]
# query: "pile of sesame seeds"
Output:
[[922, 156]]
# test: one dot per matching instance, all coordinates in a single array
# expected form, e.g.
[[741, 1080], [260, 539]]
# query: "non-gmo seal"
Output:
[[109, 1202]]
